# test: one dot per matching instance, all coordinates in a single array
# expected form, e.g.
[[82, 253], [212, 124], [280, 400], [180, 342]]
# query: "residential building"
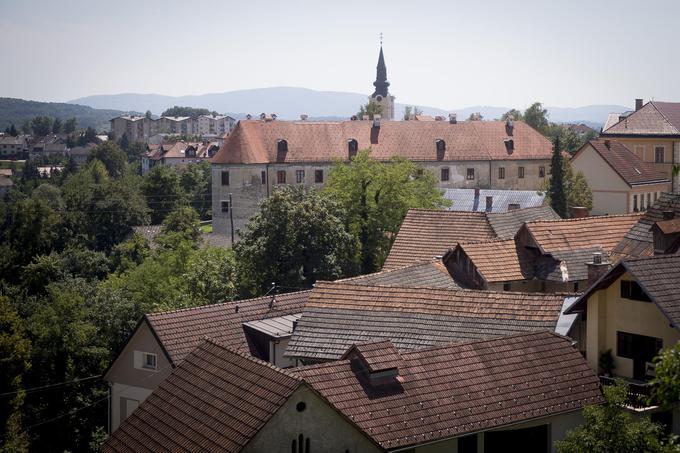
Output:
[[652, 132], [80, 154], [631, 313], [339, 314], [143, 129], [580, 129], [6, 185], [214, 125], [544, 256], [425, 234], [177, 154], [621, 181], [525, 390], [259, 327], [13, 147], [488, 200], [639, 241]]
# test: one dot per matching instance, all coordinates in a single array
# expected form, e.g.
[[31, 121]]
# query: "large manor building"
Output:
[[260, 155]]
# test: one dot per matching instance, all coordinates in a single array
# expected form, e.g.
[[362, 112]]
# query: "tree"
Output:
[[56, 126], [210, 276], [196, 183], [163, 192], [180, 226], [41, 125], [124, 142], [576, 188], [475, 116], [90, 136], [376, 197], [411, 111], [185, 111], [297, 237], [371, 109], [148, 114], [26, 127], [70, 126], [610, 428], [514, 114], [13, 131], [666, 383], [558, 197], [113, 158], [537, 117]]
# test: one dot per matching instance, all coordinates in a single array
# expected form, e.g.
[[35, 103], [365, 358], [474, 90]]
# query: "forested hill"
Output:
[[16, 111]]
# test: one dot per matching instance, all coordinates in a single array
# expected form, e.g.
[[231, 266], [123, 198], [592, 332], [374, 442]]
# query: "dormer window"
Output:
[[191, 152], [509, 145], [352, 147], [281, 150], [440, 146]]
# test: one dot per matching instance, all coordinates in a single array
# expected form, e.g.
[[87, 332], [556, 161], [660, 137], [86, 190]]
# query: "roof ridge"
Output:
[[591, 217], [417, 263], [486, 241], [204, 307]]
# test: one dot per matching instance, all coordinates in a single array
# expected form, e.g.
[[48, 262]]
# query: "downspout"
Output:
[[267, 178], [108, 415], [490, 187]]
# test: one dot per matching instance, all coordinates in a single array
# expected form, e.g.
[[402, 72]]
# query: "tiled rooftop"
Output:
[[255, 141], [465, 200], [654, 118], [427, 273]]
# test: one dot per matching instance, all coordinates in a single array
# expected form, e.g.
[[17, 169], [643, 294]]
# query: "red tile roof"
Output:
[[218, 399], [626, 163], [425, 234], [499, 260], [180, 331], [654, 118], [255, 141]]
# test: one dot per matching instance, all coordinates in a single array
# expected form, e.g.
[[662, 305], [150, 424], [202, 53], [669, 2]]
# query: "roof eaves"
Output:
[[639, 282]]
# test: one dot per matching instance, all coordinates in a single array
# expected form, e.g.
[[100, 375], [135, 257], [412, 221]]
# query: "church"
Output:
[[261, 155]]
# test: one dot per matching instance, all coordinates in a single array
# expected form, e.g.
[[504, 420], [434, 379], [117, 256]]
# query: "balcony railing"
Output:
[[639, 393]]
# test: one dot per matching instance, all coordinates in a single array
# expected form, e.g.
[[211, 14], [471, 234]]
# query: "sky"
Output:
[[448, 54]]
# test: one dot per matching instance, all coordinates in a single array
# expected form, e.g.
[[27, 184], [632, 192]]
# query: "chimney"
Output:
[[489, 203], [249, 116], [453, 118], [303, 116], [509, 126], [365, 117], [608, 144], [597, 267], [638, 104], [578, 212], [376, 120], [668, 215]]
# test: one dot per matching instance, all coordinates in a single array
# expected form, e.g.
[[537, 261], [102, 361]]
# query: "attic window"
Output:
[[352, 147], [637, 171], [509, 145], [441, 144], [281, 150], [149, 360]]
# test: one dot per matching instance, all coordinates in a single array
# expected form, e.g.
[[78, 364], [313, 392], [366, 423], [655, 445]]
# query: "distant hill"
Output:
[[290, 102], [16, 111]]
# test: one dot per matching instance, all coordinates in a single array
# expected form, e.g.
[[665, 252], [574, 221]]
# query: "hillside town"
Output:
[[388, 281]]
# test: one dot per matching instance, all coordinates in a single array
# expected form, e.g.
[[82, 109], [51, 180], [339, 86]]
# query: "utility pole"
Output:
[[231, 218]]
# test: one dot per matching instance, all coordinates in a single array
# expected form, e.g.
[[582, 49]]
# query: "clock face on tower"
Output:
[[378, 98]]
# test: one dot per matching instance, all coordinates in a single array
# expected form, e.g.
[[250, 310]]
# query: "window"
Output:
[[281, 177], [441, 145], [501, 173], [633, 291], [541, 172], [470, 173], [630, 345], [149, 360], [225, 178], [263, 177], [299, 176], [318, 176], [642, 202], [655, 196], [352, 147], [506, 286], [520, 172], [282, 146], [659, 152], [649, 200], [445, 174], [635, 205], [225, 206]]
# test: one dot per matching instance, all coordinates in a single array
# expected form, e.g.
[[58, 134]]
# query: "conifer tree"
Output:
[[558, 197]]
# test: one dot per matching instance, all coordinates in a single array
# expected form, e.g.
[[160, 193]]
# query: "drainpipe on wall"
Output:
[[675, 179], [266, 172]]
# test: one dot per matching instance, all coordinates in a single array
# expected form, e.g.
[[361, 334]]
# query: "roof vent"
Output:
[[303, 116], [263, 115], [249, 116], [376, 120], [453, 118], [509, 126], [273, 116], [354, 118], [668, 215], [597, 258]]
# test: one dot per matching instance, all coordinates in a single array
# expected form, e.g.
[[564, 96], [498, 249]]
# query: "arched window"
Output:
[[440, 145]]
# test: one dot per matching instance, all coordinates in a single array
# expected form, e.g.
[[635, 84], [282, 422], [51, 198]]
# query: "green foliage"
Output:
[[187, 111], [196, 183], [124, 142], [163, 191], [376, 196], [113, 158], [18, 111], [298, 237], [514, 114], [371, 109], [70, 125], [210, 276], [606, 361], [89, 136], [576, 187], [411, 111], [181, 226], [41, 125], [537, 117], [130, 253], [557, 193], [56, 126], [610, 428], [666, 383]]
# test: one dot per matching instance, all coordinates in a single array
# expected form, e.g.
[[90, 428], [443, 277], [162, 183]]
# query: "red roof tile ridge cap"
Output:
[[236, 302], [486, 241], [417, 263], [582, 219], [208, 340], [670, 256]]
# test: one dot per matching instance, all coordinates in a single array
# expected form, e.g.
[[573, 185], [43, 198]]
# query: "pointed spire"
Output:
[[381, 84]]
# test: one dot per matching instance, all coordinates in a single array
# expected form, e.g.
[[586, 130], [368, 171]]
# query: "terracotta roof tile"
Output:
[[180, 331], [255, 141], [340, 314], [581, 233], [426, 273], [379, 355], [659, 276], [654, 118], [623, 161], [425, 234], [499, 260]]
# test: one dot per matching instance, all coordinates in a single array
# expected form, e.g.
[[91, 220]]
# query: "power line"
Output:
[[49, 386]]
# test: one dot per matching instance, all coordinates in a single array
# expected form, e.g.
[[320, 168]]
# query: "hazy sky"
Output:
[[447, 54]]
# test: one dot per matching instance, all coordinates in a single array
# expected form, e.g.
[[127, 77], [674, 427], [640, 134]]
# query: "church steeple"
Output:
[[381, 84]]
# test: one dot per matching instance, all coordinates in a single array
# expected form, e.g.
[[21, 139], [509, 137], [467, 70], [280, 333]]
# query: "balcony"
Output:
[[639, 392]]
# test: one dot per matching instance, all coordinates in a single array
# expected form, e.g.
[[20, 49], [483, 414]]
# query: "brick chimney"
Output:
[[638, 104], [578, 212], [597, 267]]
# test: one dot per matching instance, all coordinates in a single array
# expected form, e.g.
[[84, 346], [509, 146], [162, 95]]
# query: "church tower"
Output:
[[381, 94]]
